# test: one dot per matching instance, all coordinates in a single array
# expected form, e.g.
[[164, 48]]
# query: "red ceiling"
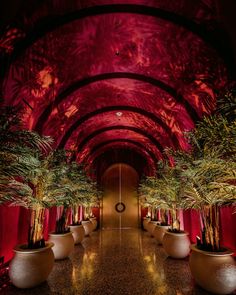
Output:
[[77, 64]]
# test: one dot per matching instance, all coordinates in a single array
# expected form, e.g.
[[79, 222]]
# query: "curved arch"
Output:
[[49, 24], [116, 75], [141, 151], [120, 127], [118, 108], [132, 158], [120, 140], [118, 158]]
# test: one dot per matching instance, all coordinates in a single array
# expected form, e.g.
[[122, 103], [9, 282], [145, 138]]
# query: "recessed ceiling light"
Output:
[[119, 114]]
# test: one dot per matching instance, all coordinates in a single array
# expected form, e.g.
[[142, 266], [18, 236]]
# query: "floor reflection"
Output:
[[119, 262]]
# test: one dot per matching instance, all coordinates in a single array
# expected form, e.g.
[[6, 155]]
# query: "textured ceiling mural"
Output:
[[108, 77]]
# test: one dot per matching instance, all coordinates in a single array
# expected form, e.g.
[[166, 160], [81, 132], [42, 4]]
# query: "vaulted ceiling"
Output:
[[112, 80]]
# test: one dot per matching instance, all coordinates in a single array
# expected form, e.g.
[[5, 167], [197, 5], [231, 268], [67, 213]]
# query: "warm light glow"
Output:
[[87, 267], [119, 114], [158, 276]]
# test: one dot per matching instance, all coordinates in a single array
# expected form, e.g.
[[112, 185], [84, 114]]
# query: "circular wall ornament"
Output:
[[120, 207]]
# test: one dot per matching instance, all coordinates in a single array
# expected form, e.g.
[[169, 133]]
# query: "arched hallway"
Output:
[[113, 112], [118, 262]]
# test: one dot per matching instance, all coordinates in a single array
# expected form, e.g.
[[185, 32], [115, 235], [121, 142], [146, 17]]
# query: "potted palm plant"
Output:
[[149, 200], [62, 237], [46, 191], [144, 203], [76, 189], [163, 224], [169, 187], [76, 227], [166, 189], [209, 172], [20, 152], [76, 178], [62, 198], [88, 199], [43, 189], [96, 195]]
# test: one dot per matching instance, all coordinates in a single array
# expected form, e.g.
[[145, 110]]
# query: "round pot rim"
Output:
[[85, 221], [154, 221], [227, 252], [21, 248], [92, 217], [184, 233], [53, 234], [163, 226], [77, 225], [146, 218]]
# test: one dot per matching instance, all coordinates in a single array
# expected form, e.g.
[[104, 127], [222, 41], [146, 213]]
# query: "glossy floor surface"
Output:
[[119, 262]]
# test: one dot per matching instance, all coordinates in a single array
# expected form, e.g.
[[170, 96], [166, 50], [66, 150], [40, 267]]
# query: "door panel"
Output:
[[120, 185]]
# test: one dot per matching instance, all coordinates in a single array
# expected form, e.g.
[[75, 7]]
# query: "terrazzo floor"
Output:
[[119, 262]]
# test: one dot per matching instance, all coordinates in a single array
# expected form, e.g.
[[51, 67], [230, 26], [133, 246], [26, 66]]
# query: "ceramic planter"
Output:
[[78, 233], [31, 267], [151, 226], [146, 220], [176, 245], [94, 222], [63, 244], [159, 232], [88, 226], [213, 271]]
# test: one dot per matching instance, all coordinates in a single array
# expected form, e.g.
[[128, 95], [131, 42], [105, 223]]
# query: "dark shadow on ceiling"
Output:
[[216, 38], [130, 157], [108, 142]]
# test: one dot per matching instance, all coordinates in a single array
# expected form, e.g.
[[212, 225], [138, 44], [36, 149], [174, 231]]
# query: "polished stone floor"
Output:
[[119, 262]]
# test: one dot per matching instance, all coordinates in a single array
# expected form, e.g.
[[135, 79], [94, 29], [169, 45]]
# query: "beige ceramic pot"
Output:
[[94, 222], [31, 267], [88, 226], [78, 233], [146, 220], [63, 244], [213, 271], [151, 227], [176, 245], [159, 232]]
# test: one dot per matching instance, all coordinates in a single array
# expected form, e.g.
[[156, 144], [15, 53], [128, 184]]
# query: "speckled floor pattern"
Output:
[[119, 262]]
